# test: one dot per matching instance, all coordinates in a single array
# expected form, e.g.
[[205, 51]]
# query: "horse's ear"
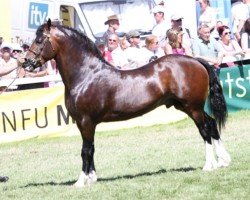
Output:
[[49, 23]]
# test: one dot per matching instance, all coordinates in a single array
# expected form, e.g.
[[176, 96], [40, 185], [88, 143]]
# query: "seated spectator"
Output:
[[207, 47], [245, 37], [175, 43], [230, 47], [176, 24], [152, 49], [115, 54], [133, 52], [6, 61], [16, 50], [124, 44]]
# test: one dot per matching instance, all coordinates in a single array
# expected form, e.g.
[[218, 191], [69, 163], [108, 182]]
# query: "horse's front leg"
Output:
[[88, 174]]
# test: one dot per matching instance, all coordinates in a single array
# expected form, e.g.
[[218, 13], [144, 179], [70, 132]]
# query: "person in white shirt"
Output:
[[134, 52], [152, 50], [118, 56], [245, 37], [208, 14], [8, 62], [161, 25], [240, 13]]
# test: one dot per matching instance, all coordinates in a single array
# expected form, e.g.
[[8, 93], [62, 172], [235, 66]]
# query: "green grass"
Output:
[[158, 162]]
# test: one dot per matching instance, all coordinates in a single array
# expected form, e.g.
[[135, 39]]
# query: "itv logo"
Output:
[[37, 14]]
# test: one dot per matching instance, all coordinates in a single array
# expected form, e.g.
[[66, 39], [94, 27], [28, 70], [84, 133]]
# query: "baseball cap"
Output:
[[133, 33], [176, 17], [158, 8]]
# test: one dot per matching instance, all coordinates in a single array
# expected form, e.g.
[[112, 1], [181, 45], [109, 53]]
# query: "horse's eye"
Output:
[[39, 40]]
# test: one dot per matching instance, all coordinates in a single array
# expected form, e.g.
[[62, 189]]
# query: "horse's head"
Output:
[[41, 50]]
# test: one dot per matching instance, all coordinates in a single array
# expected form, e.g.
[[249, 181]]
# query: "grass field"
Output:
[[158, 162]]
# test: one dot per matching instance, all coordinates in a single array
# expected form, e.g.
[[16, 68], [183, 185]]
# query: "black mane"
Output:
[[81, 39]]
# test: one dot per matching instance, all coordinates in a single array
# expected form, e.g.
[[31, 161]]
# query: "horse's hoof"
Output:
[[92, 177], [223, 163], [208, 167], [82, 180]]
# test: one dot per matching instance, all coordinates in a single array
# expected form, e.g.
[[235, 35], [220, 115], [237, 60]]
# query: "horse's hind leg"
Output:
[[202, 122], [223, 156]]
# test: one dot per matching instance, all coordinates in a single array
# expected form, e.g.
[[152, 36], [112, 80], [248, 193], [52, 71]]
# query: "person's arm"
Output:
[[168, 49], [244, 41], [239, 28], [187, 49], [6, 70]]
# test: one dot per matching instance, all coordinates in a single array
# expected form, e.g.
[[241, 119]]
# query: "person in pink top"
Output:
[[175, 43], [230, 47]]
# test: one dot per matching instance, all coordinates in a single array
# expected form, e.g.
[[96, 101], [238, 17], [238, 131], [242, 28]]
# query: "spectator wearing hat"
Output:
[[16, 50], [8, 65], [113, 26], [177, 25], [134, 52], [161, 25], [7, 61]]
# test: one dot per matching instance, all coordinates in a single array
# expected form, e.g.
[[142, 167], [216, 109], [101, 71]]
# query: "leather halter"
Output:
[[47, 39]]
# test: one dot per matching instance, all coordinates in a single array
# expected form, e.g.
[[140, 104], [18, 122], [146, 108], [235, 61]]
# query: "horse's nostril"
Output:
[[25, 59]]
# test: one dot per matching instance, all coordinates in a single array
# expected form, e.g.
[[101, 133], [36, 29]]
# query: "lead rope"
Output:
[[7, 87]]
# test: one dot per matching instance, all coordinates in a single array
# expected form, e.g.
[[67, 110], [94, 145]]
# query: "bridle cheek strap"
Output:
[[47, 39]]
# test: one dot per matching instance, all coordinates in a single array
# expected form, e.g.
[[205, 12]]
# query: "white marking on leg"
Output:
[[92, 177], [223, 157], [210, 163], [82, 180]]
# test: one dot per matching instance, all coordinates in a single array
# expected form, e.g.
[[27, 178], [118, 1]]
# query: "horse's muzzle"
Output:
[[31, 64]]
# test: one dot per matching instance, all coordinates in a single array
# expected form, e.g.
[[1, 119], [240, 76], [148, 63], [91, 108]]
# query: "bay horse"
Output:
[[96, 91]]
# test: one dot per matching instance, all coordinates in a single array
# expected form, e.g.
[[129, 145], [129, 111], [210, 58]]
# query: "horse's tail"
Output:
[[216, 101]]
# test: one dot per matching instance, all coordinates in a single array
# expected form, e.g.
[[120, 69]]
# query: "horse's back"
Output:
[[184, 77]]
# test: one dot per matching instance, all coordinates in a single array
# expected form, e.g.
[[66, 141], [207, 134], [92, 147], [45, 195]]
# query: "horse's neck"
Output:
[[74, 69]]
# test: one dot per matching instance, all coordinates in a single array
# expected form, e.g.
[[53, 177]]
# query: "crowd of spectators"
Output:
[[10, 56], [216, 42]]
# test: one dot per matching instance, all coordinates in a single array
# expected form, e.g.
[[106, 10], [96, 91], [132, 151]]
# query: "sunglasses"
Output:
[[136, 37], [16, 51], [111, 40], [227, 33]]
